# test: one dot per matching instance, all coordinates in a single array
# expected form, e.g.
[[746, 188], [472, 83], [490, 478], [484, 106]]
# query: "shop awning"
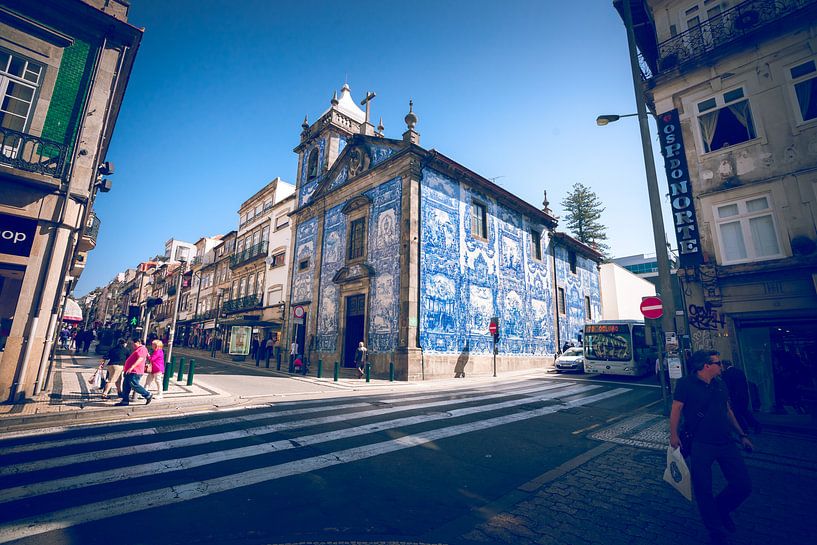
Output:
[[253, 323], [72, 311]]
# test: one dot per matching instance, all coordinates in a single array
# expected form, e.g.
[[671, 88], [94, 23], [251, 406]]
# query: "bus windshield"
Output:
[[608, 343]]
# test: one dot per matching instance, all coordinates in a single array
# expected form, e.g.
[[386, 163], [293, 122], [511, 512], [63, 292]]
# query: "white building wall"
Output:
[[621, 293]]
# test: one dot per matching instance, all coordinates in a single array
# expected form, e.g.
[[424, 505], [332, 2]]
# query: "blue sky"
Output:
[[509, 89]]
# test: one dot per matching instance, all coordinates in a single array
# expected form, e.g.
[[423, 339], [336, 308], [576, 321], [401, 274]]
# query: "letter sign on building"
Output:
[[16, 235], [680, 189]]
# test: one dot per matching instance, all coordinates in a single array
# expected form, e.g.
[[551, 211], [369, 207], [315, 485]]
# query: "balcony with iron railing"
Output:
[[31, 153], [242, 303], [207, 315], [253, 252], [728, 28], [88, 240]]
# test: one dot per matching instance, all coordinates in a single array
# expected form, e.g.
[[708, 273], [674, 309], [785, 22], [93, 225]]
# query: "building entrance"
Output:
[[781, 360], [355, 327]]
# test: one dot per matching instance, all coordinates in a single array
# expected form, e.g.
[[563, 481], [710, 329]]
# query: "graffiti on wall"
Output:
[[706, 317]]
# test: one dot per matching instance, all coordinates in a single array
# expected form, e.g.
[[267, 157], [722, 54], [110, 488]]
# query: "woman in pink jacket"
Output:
[[134, 368], [155, 367]]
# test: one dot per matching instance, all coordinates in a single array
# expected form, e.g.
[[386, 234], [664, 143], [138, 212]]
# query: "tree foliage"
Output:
[[583, 210]]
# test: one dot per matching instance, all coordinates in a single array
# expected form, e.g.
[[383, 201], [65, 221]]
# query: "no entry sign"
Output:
[[652, 307]]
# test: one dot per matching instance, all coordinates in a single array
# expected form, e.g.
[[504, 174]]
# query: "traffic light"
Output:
[[134, 312]]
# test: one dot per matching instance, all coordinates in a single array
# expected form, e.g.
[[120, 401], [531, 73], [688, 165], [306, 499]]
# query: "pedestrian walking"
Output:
[[155, 367], [254, 349], [269, 347], [134, 369], [738, 386], [87, 339], [702, 399], [116, 357], [360, 359]]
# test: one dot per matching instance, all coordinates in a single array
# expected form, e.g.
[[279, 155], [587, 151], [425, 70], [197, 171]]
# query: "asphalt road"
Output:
[[388, 467]]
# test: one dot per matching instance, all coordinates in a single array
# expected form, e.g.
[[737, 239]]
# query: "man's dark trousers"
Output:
[[734, 470]]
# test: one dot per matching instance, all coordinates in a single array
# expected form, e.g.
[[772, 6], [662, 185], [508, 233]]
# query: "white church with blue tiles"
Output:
[[412, 253]]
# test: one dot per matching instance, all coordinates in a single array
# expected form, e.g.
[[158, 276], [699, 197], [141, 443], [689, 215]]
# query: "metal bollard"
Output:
[[391, 371], [320, 368], [190, 372], [368, 370], [181, 370], [278, 361], [168, 372], [337, 370]]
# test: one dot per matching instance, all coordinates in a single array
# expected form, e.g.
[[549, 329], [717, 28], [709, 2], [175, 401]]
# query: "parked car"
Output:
[[571, 359]]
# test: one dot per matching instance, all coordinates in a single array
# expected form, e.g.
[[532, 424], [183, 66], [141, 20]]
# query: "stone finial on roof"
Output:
[[305, 124], [411, 135], [334, 100], [380, 126], [546, 204]]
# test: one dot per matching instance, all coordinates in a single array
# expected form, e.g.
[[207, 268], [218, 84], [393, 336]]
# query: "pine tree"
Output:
[[582, 213]]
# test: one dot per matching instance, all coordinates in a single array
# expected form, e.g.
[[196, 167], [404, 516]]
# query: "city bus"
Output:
[[618, 347]]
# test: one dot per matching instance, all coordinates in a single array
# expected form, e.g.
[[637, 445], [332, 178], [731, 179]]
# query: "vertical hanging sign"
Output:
[[687, 234]]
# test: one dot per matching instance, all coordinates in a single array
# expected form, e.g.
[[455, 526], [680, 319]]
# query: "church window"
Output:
[[571, 258], [536, 244], [560, 300], [357, 237], [479, 220], [312, 165], [303, 264], [588, 315]]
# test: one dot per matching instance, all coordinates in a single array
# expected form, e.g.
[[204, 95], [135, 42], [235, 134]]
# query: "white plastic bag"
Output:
[[96, 379], [677, 473]]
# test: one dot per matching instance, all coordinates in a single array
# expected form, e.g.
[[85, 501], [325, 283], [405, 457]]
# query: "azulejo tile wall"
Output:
[[308, 188], [583, 283], [464, 281], [383, 250], [384, 257], [304, 250]]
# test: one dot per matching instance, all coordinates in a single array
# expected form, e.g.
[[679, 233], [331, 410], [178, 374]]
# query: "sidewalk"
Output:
[[615, 494]]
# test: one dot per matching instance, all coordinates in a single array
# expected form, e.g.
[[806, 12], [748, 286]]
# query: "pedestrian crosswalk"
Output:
[[62, 480]]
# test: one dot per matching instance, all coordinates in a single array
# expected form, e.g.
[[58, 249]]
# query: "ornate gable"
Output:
[[361, 154], [354, 272]]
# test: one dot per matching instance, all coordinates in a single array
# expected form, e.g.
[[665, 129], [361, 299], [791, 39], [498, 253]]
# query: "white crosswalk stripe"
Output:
[[503, 407]]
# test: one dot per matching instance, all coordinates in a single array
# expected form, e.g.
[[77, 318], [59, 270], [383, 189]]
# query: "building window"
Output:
[[278, 260], [479, 220], [275, 295], [281, 222], [560, 300], [303, 265], [746, 230], [804, 78], [725, 120], [19, 80], [357, 236], [571, 259], [536, 245], [312, 165], [588, 311], [251, 284]]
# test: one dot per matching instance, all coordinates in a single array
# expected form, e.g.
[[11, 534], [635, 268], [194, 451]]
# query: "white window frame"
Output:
[[7, 78], [743, 217], [798, 114], [720, 103]]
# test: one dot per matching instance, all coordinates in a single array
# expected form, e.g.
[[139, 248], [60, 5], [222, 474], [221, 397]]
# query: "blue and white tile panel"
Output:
[[464, 281], [305, 237], [584, 282]]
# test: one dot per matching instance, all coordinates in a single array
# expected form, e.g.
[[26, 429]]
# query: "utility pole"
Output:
[[171, 337], [665, 282]]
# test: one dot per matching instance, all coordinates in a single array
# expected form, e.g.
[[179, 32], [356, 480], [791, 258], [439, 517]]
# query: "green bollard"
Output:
[[368, 370], [320, 368], [181, 370], [168, 372], [391, 371], [190, 372], [337, 370]]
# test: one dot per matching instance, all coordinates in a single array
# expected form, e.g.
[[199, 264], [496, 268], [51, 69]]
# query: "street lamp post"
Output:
[[215, 325], [665, 281], [172, 335]]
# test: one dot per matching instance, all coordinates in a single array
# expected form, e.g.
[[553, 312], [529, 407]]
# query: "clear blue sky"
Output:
[[509, 89]]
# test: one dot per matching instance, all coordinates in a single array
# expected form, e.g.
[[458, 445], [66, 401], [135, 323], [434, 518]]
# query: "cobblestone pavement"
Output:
[[619, 496]]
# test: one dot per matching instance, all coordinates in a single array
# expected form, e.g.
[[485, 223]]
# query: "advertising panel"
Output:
[[240, 337]]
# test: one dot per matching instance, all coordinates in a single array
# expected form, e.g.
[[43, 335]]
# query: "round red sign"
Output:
[[492, 328], [652, 307]]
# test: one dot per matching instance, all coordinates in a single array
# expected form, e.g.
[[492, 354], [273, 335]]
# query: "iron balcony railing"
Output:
[[208, 315], [250, 253], [242, 303], [92, 227], [723, 29], [31, 153]]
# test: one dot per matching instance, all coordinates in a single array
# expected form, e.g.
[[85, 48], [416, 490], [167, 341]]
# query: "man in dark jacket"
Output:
[[703, 400]]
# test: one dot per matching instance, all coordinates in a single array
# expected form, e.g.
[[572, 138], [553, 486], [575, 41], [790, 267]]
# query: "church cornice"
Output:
[[353, 272], [333, 119]]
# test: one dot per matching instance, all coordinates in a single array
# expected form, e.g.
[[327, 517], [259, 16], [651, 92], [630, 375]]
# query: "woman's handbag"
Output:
[[96, 378]]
